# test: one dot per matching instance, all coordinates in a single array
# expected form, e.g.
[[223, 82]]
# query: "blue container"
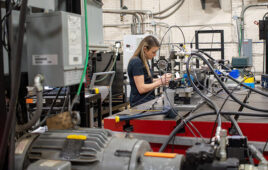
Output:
[[234, 73], [218, 72], [186, 77], [252, 85]]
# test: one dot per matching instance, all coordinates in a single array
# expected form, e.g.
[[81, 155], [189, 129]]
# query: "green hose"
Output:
[[87, 48]]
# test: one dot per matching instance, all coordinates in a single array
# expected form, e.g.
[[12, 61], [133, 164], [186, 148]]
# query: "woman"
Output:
[[140, 75]]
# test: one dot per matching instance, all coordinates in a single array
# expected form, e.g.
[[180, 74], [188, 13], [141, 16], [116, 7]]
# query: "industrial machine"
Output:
[[103, 149], [180, 94], [208, 80], [89, 149], [60, 55]]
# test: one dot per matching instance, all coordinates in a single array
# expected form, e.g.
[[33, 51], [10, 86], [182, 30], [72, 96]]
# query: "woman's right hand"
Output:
[[165, 79]]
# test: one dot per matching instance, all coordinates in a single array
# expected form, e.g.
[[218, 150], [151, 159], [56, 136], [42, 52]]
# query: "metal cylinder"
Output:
[[93, 149]]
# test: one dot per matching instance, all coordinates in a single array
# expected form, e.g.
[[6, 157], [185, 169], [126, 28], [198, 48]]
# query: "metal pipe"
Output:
[[257, 154], [161, 24], [238, 32], [130, 12], [243, 22], [172, 12], [168, 8]]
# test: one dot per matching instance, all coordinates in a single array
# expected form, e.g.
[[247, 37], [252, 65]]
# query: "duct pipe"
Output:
[[130, 12]]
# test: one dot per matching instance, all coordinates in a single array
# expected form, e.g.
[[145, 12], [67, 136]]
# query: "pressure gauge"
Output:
[[162, 64]]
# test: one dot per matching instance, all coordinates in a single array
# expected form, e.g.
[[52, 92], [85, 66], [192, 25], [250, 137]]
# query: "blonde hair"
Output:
[[148, 42]]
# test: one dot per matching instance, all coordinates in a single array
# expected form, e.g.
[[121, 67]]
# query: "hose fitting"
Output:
[[38, 80]]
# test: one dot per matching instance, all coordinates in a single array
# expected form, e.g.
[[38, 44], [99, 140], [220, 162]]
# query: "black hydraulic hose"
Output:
[[49, 112], [206, 54], [109, 63], [175, 131], [15, 84], [209, 101], [182, 119], [233, 79], [36, 116], [225, 88], [166, 111], [230, 117], [252, 89]]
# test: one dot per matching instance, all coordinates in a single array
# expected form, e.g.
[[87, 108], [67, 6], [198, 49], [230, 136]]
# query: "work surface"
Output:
[[155, 129], [255, 100], [254, 127]]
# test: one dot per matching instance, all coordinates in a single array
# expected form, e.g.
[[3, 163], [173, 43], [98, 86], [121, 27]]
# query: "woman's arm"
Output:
[[144, 88]]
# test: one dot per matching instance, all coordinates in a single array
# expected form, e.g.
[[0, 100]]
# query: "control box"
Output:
[[55, 48], [264, 81]]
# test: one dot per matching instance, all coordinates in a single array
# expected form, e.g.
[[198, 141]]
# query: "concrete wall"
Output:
[[192, 17]]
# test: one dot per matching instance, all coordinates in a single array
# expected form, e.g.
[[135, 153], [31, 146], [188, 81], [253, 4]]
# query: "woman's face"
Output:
[[149, 54]]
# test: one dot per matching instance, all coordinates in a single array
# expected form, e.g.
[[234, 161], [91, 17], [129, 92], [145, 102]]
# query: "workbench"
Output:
[[155, 129]]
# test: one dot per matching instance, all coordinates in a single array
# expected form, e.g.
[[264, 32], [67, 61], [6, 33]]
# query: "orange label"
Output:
[[29, 101], [161, 155]]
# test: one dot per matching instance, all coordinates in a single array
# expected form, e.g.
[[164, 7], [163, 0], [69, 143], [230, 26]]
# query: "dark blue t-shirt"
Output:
[[136, 68]]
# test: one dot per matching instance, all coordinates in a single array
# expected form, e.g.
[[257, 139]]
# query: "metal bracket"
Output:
[[112, 73]]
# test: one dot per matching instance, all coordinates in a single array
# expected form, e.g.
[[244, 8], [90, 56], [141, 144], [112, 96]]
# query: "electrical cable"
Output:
[[49, 111], [225, 88], [205, 88], [111, 68], [189, 118], [215, 107], [165, 78], [36, 116], [235, 123], [166, 111], [65, 100], [237, 126], [207, 55], [200, 30], [230, 77], [173, 26], [233, 79], [181, 117], [109, 62]]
